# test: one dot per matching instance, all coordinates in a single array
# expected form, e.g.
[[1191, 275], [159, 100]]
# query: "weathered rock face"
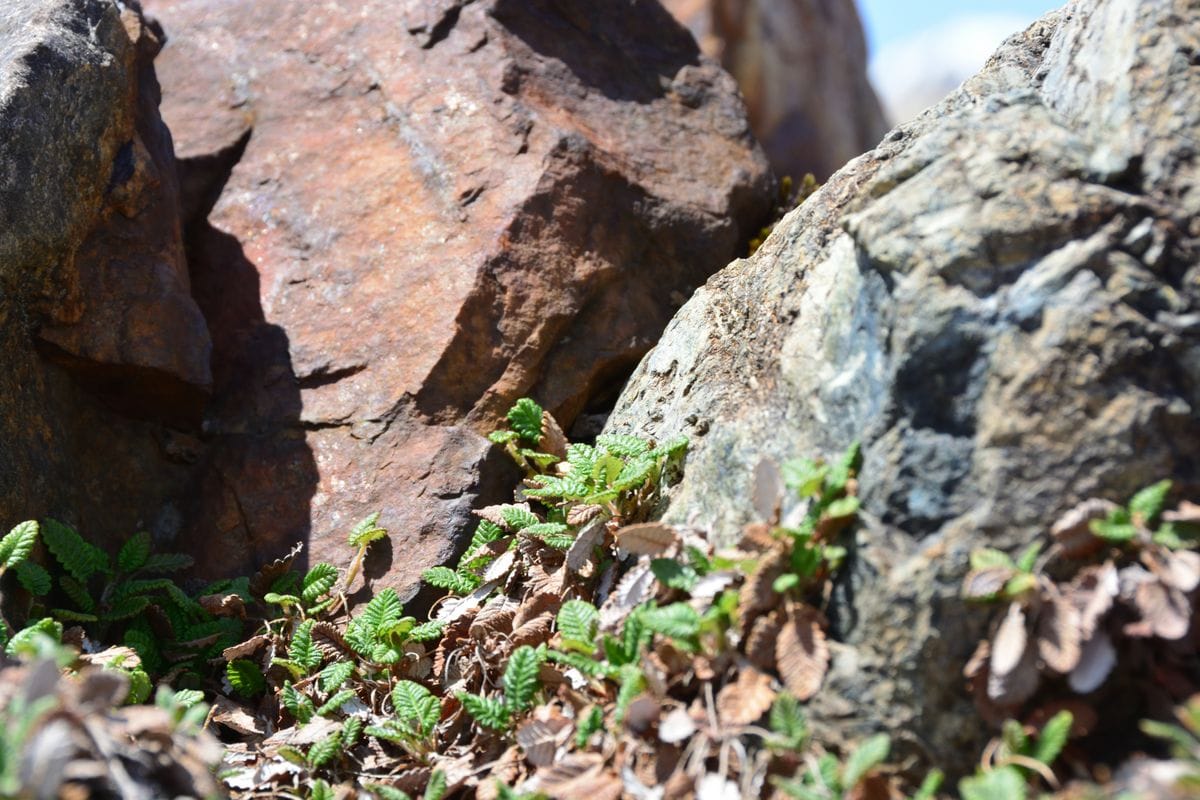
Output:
[[91, 272], [1002, 302], [802, 67], [402, 216]]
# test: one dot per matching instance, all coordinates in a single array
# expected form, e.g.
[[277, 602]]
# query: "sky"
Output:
[[922, 49]]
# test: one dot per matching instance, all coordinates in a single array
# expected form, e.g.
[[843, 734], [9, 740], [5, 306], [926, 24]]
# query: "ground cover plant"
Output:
[[581, 649]]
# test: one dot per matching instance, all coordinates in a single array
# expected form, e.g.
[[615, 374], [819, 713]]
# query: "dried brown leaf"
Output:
[[760, 643], [745, 700], [1058, 634], [757, 593], [329, 640], [1009, 643], [492, 514], [801, 652], [1164, 608], [534, 605], [553, 440], [224, 605], [983, 584], [1013, 675], [1182, 569], [578, 515], [1187, 512], [541, 738], [496, 616], [632, 590], [236, 718], [579, 776], [646, 539], [768, 490], [757, 538], [247, 648], [677, 726], [1092, 593], [534, 632], [499, 569], [1073, 531], [260, 584], [590, 537]]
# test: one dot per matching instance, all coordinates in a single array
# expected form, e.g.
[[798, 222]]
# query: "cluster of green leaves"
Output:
[[1141, 519], [1020, 757], [519, 684], [1021, 570], [615, 475], [814, 555], [829, 778], [85, 587]]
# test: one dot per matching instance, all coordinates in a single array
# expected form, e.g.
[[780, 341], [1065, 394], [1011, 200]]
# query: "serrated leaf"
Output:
[[679, 621], [502, 437], [334, 675], [518, 517], [416, 708], [126, 607], [787, 720], [282, 600], [520, 680], [24, 641], [319, 790], [1146, 505], [367, 530], [134, 552], [34, 578], [245, 677], [525, 417], [578, 621], [630, 683], [352, 730], [77, 557], [647, 538], [1028, 557], [78, 593], [18, 543], [448, 579], [987, 557], [384, 792], [319, 580], [623, 445], [427, 631], [487, 711], [802, 654], [302, 649], [436, 788], [545, 529], [297, 703], [866, 757], [1053, 737], [804, 476], [337, 701], [325, 751], [634, 473]]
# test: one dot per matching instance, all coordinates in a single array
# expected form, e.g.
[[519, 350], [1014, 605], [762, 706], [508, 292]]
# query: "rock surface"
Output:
[[802, 67], [91, 256], [402, 216], [1002, 302]]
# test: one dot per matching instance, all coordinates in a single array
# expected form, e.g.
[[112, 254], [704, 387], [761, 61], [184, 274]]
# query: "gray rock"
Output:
[[1000, 301]]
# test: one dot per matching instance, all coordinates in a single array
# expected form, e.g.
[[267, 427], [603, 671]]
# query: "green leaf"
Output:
[[929, 786], [448, 579], [336, 702], [585, 663], [302, 649], [416, 707], [297, 703], [841, 508], [578, 621], [866, 757], [1028, 557], [436, 788], [16, 546], [281, 600], [25, 641], [245, 677], [787, 720], [545, 529], [635, 473], [385, 792], [623, 445], [679, 621], [605, 469], [333, 676], [186, 698], [581, 458], [1146, 505], [785, 582], [630, 683], [804, 476], [427, 631], [77, 592], [167, 562], [487, 711], [325, 750], [486, 532], [134, 552], [146, 646], [319, 580], [126, 607], [1005, 783], [34, 578], [672, 574], [841, 472], [77, 557], [520, 680], [352, 730], [517, 517], [319, 790], [987, 557], [590, 725], [502, 437], [366, 531], [525, 417], [1019, 584], [1053, 737]]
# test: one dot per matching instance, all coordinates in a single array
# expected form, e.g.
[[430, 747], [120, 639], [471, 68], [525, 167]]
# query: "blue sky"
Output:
[[889, 21]]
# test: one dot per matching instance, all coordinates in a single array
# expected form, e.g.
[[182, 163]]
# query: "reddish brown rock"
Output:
[[802, 67], [404, 216]]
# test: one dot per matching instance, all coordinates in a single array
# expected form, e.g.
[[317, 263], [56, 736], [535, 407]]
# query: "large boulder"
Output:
[[95, 305], [1002, 302], [802, 67], [401, 216]]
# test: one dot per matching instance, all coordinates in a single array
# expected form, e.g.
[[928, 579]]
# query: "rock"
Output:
[[1002, 302], [402, 217], [92, 276], [802, 67]]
